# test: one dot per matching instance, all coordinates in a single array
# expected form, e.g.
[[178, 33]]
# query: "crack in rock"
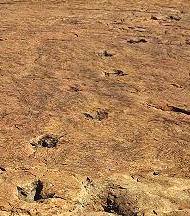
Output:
[[99, 115]]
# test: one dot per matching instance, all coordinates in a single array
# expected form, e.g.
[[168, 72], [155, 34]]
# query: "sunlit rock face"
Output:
[[94, 108]]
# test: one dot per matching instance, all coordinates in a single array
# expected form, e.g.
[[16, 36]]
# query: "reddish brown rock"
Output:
[[94, 107]]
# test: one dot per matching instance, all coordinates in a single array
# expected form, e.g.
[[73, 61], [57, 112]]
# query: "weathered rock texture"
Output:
[[94, 107]]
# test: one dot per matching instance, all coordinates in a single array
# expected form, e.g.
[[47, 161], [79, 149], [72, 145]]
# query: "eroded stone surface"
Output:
[[111, 78]]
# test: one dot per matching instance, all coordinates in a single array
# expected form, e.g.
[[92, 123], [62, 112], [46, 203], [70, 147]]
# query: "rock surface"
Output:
[[104, 88]]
